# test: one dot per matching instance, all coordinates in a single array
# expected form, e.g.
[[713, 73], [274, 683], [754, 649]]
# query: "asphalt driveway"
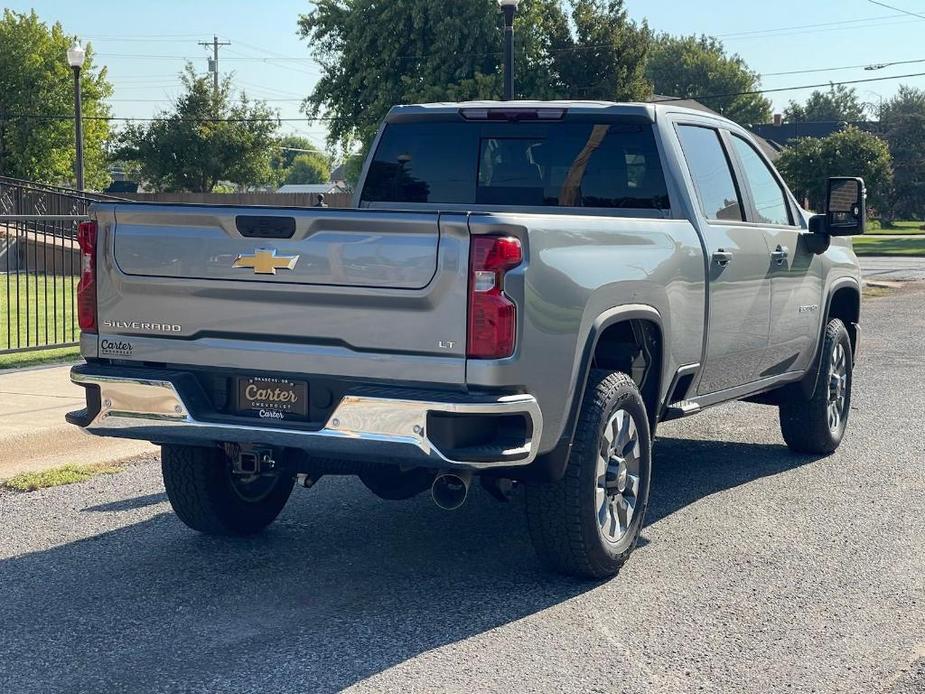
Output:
[[760, 571]]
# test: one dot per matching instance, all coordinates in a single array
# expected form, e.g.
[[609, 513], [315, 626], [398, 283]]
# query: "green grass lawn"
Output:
[[48, 302], [56, 477], [875, 228], [910, 246]]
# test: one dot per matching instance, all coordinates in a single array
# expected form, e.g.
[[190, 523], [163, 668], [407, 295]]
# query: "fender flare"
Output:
[[811, 380], [551, 466]]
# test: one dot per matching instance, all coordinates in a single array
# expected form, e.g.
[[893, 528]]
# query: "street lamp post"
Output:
[[75, 58], [509, 9]]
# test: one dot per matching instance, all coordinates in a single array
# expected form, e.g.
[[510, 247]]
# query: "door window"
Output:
[[709, 167], [770, 200]]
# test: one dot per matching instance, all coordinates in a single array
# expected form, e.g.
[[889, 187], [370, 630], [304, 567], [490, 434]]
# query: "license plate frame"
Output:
[[271, 399]]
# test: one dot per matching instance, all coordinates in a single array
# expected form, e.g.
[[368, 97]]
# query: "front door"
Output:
[[739, 299], [796, 272]]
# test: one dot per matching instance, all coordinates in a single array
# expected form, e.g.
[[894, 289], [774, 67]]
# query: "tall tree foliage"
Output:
[[839, 104], [810, 161], [36, 104], [903, 124], [377, 54], [297, 160], [698, 67], [206, 138]]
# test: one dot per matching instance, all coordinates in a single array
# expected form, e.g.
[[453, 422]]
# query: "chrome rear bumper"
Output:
[[153, 409]]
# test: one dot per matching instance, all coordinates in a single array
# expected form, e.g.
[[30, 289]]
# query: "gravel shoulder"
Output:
[[759, 571]]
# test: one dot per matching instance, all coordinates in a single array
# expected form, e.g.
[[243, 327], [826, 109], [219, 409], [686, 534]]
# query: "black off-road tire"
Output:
[[563, 516], [206, 497], [804, 422]]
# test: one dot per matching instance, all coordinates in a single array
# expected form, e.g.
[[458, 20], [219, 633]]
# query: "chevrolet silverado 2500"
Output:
[[523, 291]]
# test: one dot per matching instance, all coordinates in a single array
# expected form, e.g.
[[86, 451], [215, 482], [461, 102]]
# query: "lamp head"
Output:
[[76, 55]]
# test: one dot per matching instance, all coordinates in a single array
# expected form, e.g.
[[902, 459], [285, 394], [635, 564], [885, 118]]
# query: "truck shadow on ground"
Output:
[[343, 587]]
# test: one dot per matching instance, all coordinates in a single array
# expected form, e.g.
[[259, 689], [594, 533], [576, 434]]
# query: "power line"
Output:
[[822, 25], [868, 66], [897, 9], [793, 88]]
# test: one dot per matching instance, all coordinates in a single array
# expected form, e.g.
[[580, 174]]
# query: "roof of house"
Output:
[[319, 188], [785, 133]]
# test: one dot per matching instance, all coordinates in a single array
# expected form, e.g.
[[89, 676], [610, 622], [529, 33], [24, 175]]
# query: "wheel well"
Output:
[[635, 348], [846, 306]]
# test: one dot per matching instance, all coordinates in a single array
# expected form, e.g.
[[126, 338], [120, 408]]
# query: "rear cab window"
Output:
[[572, 163]]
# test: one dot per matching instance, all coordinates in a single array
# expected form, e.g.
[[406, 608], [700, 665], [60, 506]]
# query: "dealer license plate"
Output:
[[273, 399]]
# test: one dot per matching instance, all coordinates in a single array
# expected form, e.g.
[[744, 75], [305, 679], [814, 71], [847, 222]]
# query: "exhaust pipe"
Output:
[[450, 489]]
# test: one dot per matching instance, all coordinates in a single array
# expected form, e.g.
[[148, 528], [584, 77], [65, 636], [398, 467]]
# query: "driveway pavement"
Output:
[[760, 571], [894, 269]]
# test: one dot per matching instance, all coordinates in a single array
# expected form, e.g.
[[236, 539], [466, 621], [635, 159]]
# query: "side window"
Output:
[[770, 200], [709, 167]]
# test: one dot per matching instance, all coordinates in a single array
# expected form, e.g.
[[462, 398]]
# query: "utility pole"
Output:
[[213, 62]]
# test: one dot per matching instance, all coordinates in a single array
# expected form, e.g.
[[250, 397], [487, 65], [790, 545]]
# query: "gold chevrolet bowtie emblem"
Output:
[[266, 262]]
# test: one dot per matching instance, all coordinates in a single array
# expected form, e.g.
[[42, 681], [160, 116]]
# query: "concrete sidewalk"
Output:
[[33, 433]]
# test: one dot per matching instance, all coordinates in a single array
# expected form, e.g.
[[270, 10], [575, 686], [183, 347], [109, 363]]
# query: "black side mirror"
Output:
[[846, 207]]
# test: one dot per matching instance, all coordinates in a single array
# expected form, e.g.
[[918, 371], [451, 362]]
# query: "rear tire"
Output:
[[208, 498], [589, 522], [817, 424]]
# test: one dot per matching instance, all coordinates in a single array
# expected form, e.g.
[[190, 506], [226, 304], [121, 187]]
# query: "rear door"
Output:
[[796, 272], [739, 297]]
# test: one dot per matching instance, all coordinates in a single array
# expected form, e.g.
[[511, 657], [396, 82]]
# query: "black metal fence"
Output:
[[39, 265]]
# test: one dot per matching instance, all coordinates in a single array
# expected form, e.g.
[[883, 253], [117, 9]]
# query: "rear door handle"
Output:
[[780, 254], [722, 258]]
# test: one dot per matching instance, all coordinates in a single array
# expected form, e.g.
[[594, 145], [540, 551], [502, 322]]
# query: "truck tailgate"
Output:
[[354, 293]]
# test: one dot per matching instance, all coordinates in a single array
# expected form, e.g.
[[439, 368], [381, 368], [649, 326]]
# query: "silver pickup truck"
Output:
[[522, 292]]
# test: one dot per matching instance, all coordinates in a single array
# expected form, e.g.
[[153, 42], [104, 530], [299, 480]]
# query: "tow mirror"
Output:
[[846, 207]]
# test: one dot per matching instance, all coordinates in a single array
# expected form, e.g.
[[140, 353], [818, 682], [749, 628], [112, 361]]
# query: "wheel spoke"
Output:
[[602, 465], [632, 485], [611, 525], [630, 509], [621, 512]]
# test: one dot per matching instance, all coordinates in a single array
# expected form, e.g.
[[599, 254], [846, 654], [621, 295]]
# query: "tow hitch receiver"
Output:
[[252, 462]]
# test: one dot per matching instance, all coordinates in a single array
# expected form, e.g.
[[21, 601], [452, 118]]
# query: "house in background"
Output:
[[312, 188], [780, 134]]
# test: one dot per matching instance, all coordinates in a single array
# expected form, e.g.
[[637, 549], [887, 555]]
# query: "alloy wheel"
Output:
[[838, 387], [618, 476]]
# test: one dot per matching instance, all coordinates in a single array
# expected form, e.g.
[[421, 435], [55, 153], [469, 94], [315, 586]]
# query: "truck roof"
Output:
[[638, 109]]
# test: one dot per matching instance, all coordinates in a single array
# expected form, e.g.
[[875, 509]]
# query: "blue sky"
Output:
[[145, 44]]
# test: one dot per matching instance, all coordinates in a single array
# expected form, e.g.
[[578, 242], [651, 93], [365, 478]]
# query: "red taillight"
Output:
[[86, 288], [492, 316]]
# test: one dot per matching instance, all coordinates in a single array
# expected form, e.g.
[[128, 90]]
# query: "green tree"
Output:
[[376, 54], [839, 104], [36, 105], [208, 137], [308, 168], [297, 160], [902, 122], [810, 161], [698, 67]]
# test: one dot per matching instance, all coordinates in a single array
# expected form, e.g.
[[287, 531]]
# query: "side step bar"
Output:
[[684, 408]]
